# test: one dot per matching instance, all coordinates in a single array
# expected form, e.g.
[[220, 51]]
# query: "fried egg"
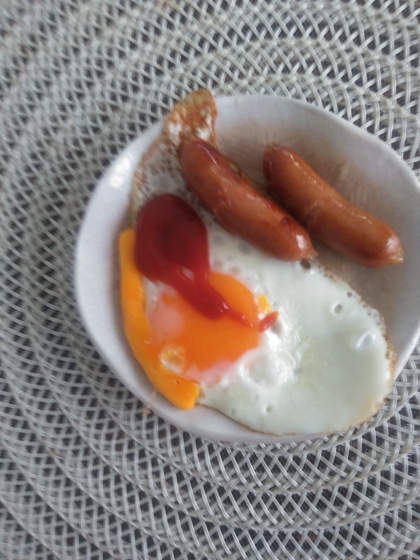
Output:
[[323, 366]]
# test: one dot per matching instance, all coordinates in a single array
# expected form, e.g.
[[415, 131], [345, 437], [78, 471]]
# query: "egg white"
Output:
[[324, 366]]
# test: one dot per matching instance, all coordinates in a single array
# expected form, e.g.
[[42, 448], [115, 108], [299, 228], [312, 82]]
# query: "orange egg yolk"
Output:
[[176, 345]]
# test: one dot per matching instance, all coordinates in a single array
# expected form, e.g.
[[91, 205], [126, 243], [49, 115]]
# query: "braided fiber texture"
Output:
[[84, 472]]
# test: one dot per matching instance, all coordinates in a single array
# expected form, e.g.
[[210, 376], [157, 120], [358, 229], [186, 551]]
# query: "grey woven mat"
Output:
[[84, 474]]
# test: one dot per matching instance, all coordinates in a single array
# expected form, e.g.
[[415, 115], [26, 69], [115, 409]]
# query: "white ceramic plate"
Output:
[[361, 167]]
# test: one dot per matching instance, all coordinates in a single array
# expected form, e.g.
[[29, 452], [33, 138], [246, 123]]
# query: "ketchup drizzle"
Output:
[[171, 246], [267, 321]]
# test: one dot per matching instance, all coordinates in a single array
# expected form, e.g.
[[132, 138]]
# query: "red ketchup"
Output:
[[171, 246], [267, 321]]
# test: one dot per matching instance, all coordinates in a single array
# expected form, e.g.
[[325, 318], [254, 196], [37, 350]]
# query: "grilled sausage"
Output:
[[238, 207], [327, 215]]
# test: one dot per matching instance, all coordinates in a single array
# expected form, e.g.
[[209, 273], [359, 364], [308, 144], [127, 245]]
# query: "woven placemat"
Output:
[[84, 473]]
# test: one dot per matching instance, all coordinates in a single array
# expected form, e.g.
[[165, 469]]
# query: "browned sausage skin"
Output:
[[238, 207], [327, 215]]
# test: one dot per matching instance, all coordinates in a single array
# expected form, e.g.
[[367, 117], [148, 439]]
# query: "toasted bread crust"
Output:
[[193, 117]]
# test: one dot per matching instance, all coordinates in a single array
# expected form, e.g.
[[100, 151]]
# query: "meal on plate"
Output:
[[224, 301]]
